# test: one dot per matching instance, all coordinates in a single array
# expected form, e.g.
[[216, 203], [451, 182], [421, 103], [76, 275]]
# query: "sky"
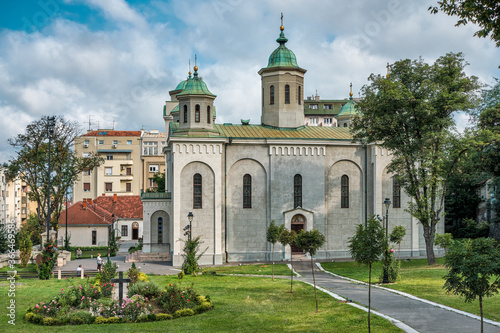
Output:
[[110, 64]]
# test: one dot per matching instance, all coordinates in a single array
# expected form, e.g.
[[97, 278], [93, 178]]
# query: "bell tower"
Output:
[[282, 88]]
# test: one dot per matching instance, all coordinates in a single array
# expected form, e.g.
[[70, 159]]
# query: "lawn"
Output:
[[242, 304], [260, 269], [421, 280]]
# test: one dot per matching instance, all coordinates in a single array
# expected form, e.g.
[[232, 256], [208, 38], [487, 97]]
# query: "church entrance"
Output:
[[135, 230], [298, 224]]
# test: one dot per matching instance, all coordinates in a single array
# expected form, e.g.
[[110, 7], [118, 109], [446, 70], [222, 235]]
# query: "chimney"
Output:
[[115, 197], [84, 204], [104, 194]]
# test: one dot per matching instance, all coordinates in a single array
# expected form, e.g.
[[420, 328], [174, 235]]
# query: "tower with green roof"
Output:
[[348, 111], [282, 88], [196, 106]]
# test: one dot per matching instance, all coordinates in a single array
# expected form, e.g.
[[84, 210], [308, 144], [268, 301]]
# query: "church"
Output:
[[232, 180]]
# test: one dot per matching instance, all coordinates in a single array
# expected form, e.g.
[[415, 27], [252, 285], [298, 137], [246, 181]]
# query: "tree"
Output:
[[287, 237], [159, 180], [32, 226], [366, 247], [444, 241], [191, 255], [310, 242], [473, 270], [4, 245], [410, 113], [484, 13], [31, 164], [396, 236], [273, 235], [25, 248]]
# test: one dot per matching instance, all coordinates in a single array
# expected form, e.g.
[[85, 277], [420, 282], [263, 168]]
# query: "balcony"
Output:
[[155, 195]]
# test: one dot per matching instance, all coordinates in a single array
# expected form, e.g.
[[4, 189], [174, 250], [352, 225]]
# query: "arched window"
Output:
[[197, 191], [160, 230], [209, 116], [197, 113], [271, 95], [287, 94], [185, 113], [297, 191], [247, 191], [344, 192], [300, 95], [396, 193], [345, 124]]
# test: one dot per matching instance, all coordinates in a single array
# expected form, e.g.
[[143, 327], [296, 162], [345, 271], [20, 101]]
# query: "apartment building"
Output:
[[326, 112], [13, 200], [121, 171], [152, 157]]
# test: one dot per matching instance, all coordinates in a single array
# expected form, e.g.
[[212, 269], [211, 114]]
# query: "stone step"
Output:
[[140, 257]]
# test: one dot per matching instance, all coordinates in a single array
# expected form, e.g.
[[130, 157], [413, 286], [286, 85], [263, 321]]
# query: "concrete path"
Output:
[[421, 315]]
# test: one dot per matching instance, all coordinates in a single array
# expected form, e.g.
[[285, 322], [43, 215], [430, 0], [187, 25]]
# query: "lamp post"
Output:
[[66, 244], [51, 123], [188, 228], [387, 203]]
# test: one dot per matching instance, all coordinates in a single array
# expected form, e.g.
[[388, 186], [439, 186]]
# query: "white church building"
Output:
[[236, 178]]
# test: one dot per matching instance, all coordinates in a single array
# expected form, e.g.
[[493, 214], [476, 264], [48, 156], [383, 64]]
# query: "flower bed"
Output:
[[90, 303]]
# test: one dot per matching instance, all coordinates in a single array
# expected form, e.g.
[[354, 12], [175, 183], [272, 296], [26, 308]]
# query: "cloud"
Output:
[[119, 11]]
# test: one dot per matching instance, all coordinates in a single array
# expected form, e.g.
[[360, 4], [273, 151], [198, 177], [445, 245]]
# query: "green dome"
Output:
[[349, 109], [182, 84], [195, 86], [282, 56]]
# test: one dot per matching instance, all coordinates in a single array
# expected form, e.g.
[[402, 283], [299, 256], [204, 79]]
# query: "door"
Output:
[[135, 230], [297, 225]]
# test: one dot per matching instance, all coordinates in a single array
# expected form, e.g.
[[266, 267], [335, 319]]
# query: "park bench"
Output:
[[72, 273]]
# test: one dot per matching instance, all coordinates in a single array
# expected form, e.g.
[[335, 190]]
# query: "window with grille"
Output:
[[247, 191], [197, 191], [160, 230], [287, 94], [344, 192], [109, 187], [271, 95], [128, 187], [197, 113], [124, 230], [209, 116], [297, 191], [396, 193]]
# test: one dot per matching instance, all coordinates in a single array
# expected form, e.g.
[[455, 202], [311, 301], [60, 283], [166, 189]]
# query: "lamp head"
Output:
[[190, 216], [387, 203]]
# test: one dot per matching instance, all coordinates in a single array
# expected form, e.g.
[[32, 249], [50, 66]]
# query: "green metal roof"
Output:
[[182, 84], [282, 56], [349, 109], [195, 86], [266, 132]]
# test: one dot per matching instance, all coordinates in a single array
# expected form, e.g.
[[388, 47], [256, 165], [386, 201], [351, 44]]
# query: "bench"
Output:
[[66, 274]]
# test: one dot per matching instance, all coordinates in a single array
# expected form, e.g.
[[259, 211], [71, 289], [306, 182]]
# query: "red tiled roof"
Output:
[[126, 206], [113, 133], [101, 210]]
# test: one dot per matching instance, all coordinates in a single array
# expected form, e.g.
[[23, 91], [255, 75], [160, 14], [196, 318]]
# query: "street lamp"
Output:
[[387, 203], [188, 227], [66, 245], [51, 123]]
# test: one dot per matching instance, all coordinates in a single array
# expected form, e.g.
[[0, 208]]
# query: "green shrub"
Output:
[[81, 316], [146, 318], [35, 318], [203, 307], [108, 271], [49, 321], [101, 320], [114, 320], [184, 313], [163, 316], [133, 274], [146, 289], [76, 321], [29, 316], [174, 298]]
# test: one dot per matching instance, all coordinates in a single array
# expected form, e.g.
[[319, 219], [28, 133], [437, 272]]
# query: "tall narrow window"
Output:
[[94, 237], [287, 94], [247, 191], [297, 191], [344, 192], [271, 95], [300, 95], [185, 113], [197, 113], [124, 230], [197, 191], [396, 193], [160, 230], [209, 116]]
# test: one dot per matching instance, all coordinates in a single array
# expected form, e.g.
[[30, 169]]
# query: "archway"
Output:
[[298, 224], [135, 230]]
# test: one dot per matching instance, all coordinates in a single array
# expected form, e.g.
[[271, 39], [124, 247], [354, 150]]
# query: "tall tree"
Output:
[[473, 270], [31, 164], [310, 242], [366, 247], [484, 13], [287, 237], [410, 112]]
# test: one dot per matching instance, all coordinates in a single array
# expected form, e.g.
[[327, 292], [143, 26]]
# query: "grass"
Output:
[[260, 269], [88, 254], [242, 304], [19, 268], [421, 280]]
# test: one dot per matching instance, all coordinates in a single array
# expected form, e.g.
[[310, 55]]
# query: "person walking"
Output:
[[99, 262]]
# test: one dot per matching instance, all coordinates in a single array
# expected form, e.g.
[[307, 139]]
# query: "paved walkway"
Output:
[[420, 315]]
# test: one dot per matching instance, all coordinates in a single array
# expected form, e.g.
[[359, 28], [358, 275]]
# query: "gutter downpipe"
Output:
[[225, 196], [363, 143]]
